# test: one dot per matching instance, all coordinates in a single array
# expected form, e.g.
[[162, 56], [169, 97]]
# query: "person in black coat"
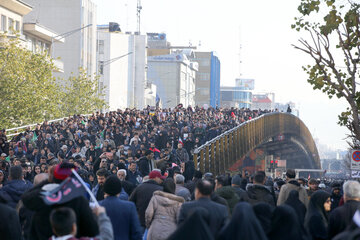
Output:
[[263, 212], [145, 163], [341, 217], [217, 213], [40, 227], [258, 192], [294, 202], [243, 225], [316, 219], [10, 228], [285, 225], [143, 193], [194, 227]]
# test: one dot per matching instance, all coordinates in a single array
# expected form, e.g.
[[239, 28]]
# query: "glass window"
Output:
[[17, 26], [3, 23], [11, 25]]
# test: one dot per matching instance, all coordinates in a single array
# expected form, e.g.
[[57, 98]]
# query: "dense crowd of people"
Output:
[[138, 166]]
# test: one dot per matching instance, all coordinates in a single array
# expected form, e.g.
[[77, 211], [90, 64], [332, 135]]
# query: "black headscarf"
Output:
[[243, 225], [285, 224], [316, 219], [194, 227], [263, 212], [294, 202]]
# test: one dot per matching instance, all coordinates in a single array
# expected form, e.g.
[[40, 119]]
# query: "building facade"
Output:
[[207, 81], [75, 21], [236, 97], [122, 61], [264, 101], [174, 77]]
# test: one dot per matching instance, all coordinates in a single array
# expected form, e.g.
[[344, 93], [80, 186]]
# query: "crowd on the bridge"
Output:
[[138, 165]]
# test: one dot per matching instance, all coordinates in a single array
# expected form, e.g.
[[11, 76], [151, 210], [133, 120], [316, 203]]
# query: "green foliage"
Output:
[[28, 92], [339, 27], [82, 95]]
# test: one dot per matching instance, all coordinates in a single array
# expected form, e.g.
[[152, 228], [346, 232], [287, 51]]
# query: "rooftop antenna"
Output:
[[139, 8]]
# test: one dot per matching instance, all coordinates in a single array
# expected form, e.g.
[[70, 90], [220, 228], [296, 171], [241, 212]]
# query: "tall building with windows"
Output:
[[207, 81], [75, 21], [11, 15]]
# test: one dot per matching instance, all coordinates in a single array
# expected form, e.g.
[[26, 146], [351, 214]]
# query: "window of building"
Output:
[[3, 23], [101, 46], [11, 25], [17, 26]]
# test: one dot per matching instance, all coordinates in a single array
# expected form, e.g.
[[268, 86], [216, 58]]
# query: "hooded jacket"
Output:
[[259, 193], [229, 194], [161, 215], [13, 191], [287, 188]]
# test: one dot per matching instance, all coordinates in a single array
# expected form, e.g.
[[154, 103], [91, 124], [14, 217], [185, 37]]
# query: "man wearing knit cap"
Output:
[[122, 214], [32, 199], [235, 184], [143, 193]]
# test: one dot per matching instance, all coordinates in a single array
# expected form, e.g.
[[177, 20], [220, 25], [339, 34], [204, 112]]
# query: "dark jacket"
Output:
[[259, 193], [229, 194], [142, 195], [13, 190], [217, 213], [341, 217], [144, 166], [124, 219], [9, 223], [242, 194], [132, 177], [41, 228]]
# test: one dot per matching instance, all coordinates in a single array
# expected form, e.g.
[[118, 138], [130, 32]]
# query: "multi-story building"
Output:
[[174, 77], [207, 81], [235, 97], [76, 22], [263, 101], [33, 36], [122, 61]]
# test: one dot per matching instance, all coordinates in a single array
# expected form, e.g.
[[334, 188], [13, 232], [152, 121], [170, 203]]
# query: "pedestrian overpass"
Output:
[[253, 144]]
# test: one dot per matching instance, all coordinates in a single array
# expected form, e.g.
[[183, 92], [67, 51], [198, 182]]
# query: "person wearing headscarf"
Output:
[[263, 212], [243, 225], [161, 213], [294, 202], [285, 225], [196, 226], [316, 219]]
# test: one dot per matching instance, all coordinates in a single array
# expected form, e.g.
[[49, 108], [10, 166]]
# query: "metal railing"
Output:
[[15, 131], [220, 153]]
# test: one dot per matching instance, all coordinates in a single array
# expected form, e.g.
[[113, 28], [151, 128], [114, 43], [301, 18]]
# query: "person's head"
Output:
[[313, 184], [156, 176], [101, 175], [121, 174], [220, 182], [179, 179], [236, 181], [40, 178], [180, 146], [43, 159], [112, 186], [351, 191], [16, 173], [301, 181], [259, 177], [63, 221], [204, 188], [132, 166], [149, 154], [336, 187], [169, 186], [290, 174]]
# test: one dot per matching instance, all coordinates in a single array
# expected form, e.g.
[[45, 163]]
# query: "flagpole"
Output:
[[93, 198]]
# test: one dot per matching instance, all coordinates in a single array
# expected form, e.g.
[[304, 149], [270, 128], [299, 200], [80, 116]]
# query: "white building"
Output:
[[71, 19], [174, 77], [33, 36], [122, 67]]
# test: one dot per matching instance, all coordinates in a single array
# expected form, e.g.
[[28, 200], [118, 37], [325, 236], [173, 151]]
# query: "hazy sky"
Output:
[[262, 27]]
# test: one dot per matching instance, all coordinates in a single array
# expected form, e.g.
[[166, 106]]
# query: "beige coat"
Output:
[[161, 215], [287, 188]]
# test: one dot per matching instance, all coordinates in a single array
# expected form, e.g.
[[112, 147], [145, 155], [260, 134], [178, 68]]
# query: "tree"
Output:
[[82, 95], [334, 47], [28, 92]]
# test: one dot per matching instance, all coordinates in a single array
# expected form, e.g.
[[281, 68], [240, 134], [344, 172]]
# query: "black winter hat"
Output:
[[112, 185]]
